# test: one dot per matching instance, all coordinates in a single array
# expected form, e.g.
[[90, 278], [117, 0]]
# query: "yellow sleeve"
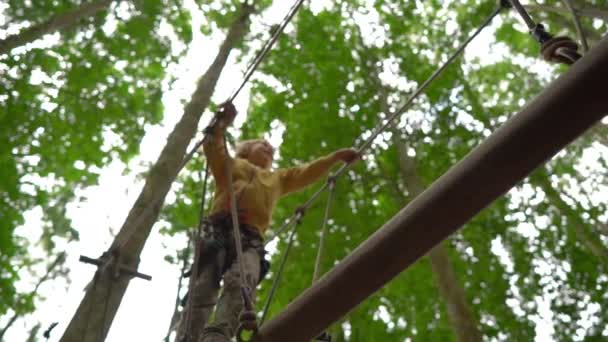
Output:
[[215, 152], [297, 178]]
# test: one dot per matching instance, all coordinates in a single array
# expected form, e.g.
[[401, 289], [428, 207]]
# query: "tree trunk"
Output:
[[56, 23], [582, 230], [94, 316], [459, 313]]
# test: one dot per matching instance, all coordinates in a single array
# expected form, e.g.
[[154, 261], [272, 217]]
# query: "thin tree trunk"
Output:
[[58, 22], [8, 325], [96, 312], [459, 313], [581, 229]]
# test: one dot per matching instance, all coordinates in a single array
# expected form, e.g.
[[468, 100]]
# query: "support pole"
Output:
[[562, 112]]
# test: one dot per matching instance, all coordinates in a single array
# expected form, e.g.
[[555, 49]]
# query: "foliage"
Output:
[[70, 104], [316, 100]]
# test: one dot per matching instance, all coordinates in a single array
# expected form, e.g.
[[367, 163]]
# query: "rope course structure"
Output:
[[330, 184], [559, 50], [248, 317], [111, 259], [475, 166], [493, 168], [553, 49]]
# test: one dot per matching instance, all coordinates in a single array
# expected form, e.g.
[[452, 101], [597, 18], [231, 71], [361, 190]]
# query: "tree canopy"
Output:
[[84, 96]]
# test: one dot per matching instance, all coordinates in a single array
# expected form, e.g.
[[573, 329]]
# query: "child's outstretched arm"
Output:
[[214, 149], [297, 178]]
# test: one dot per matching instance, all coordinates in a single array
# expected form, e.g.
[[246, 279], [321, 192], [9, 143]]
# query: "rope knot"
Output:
[[247, 322], [300, 211], [560, 50], [331, 182]]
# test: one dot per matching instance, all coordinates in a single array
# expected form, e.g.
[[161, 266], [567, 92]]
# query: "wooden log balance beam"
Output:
[[563, 111]]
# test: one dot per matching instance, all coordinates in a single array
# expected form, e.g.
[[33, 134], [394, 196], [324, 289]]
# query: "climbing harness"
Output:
[[553, 49], [190, 154]]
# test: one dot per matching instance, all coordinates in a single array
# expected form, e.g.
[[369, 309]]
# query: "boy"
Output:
[[256, 189]]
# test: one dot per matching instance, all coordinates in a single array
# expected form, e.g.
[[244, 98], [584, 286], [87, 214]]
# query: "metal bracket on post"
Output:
[[119, 268], [553, 49]]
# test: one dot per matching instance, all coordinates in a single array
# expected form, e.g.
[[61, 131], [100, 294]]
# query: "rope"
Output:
[[267, 46], [577, 25], [553, 49], [523, 14], [277, 278], [379, 129], [197, 244], [426, 83], [236, 230], [330, 196], [330, 184]]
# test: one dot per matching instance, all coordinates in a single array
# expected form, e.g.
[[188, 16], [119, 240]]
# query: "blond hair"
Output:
[[244, 147]]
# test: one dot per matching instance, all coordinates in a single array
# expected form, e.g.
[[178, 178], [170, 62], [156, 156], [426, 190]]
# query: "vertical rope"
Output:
[[277, 278], [235, 228], [321, 249]]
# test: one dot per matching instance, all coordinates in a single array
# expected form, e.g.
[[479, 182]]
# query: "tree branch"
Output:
[[594, 13], [56, 23], [49, 271]]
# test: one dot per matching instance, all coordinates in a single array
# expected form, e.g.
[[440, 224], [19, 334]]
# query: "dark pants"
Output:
[[217, 261]]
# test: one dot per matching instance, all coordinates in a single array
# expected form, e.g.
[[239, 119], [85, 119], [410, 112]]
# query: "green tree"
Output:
[[131, 239], [325, 79], [60, 102]]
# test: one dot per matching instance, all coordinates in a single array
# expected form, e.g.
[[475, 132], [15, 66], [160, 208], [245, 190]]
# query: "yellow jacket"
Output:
[[257, 190]]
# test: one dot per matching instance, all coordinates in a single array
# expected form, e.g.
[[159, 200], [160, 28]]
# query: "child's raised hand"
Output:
[[226, 113], [347, 155]]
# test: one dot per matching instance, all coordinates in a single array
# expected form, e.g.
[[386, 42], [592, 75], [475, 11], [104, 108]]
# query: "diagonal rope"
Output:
[[577, 24], [277, 278], [379, 129], [426, 83], [238, 244], [321, 248], [332, 185], [267, 46], [250, 70]]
